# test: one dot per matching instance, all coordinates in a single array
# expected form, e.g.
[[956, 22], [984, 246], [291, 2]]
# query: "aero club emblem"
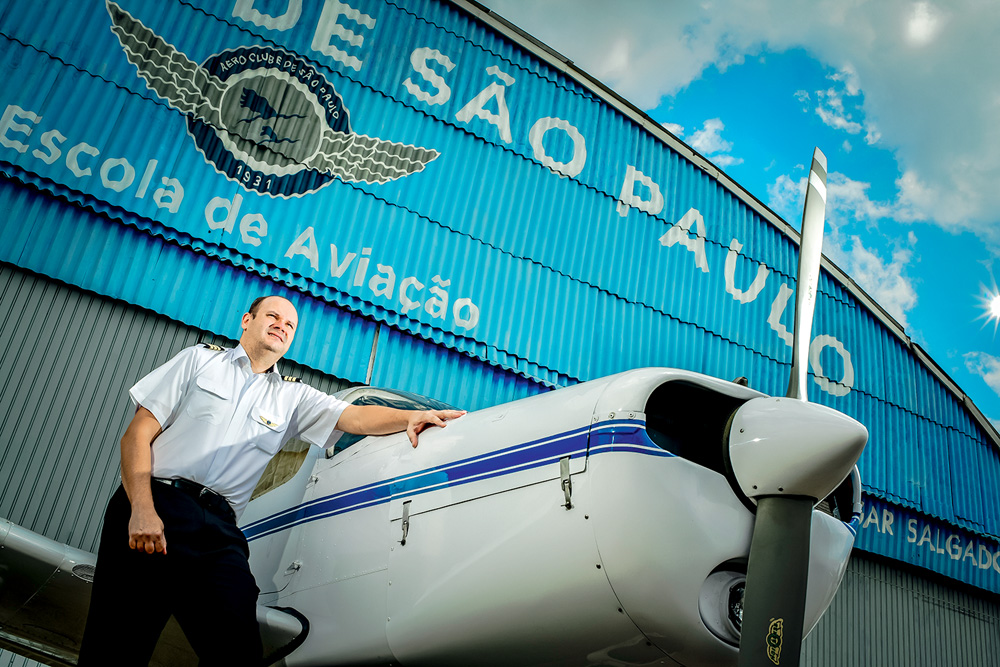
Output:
[[264, 117]]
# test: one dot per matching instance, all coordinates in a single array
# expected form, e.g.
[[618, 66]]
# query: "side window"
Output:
[[287, 462], [401, 400], [282, 467]]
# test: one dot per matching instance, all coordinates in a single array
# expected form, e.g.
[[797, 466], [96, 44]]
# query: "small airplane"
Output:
[[653, 517]]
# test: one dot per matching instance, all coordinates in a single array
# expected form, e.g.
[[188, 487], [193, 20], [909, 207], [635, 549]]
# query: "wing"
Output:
[[356, 157], [45, 594], [184, 84]]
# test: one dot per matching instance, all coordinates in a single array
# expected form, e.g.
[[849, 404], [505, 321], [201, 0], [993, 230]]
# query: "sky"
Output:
[[903, 98]]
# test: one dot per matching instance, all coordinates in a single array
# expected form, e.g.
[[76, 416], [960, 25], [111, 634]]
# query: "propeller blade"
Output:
[[775, 599], [778, 570], [810, 252]]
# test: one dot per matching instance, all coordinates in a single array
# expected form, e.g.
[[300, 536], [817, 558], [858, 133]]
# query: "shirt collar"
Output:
[[238, 353]]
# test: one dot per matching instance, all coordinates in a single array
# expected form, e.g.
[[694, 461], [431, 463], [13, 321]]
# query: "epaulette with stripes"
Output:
[[290, 378], [213, 348]]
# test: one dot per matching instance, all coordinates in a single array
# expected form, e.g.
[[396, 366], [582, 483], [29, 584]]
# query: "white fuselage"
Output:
[[495, 569]]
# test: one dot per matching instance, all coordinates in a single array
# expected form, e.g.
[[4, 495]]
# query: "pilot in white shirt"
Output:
[[206, 424], [222, 422]]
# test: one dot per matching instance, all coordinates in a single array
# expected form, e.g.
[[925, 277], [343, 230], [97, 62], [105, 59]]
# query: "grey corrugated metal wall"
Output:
[[885, 616], [65, 369], [67, 360], [8, 659]]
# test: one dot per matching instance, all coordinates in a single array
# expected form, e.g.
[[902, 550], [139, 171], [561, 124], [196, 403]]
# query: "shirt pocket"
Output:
[[268, 427], [210, 400]]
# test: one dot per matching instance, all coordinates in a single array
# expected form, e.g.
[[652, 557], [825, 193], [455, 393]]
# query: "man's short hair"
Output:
[[255, 306]]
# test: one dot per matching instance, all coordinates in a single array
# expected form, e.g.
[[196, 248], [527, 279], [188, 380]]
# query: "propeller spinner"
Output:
[[786, 454]]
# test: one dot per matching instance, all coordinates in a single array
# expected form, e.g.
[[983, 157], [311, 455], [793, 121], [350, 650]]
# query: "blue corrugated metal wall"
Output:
[[574, 267]]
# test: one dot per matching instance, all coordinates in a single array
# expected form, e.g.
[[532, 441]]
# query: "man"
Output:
[[206, 424]]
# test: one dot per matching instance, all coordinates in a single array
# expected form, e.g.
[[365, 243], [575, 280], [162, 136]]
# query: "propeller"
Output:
[[807, 283], [786, 454]]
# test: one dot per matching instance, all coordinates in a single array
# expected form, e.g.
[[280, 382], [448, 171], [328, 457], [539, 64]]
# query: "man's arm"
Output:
[[145, 529], [379, 420]]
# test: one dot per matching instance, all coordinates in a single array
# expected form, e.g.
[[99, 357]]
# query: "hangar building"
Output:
[[458, 211]]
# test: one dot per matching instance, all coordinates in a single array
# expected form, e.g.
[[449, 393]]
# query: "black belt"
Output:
[[206, 497]]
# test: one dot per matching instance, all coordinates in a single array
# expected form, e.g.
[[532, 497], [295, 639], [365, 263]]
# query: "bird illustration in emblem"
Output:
[[267, 133], [193, 90], [258, 104]]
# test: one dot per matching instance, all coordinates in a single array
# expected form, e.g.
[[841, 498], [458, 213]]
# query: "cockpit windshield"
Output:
[[390, 398]]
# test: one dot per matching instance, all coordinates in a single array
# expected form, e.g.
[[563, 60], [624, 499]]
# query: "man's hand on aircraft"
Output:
[[380, 420], [419, 420]]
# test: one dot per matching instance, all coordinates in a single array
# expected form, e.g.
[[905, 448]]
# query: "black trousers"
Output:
[[204, 580]]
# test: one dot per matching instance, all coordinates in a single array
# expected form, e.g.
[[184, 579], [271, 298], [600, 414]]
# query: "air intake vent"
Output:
[[691, 421], [84, 571]]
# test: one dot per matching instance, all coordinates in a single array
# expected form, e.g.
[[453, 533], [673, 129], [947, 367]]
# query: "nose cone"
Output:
[[783, 446]]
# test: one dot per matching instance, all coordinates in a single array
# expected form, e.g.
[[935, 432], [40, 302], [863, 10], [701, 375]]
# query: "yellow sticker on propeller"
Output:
[[774, 640]]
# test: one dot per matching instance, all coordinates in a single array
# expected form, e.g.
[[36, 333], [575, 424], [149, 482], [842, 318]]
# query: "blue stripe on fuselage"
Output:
[[617, 435]]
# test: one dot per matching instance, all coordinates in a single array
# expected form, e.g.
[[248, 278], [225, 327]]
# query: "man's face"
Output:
[[272, 327]]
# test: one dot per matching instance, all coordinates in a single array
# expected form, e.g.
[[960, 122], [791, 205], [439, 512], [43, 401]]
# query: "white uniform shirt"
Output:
[[217, 437]]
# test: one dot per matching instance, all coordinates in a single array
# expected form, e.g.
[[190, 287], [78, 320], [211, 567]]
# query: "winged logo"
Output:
[[265, 117]]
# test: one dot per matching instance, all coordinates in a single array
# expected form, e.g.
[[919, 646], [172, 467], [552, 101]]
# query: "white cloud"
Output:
[[726, 160], [709, 142], [924, 23], [887, 281], [847, 75], [832, 111], [918, 78], [674, 129], [872, 135], [987, 367], [847, 200], [784, 196], [709, 139], [838, 121], [643, 49]]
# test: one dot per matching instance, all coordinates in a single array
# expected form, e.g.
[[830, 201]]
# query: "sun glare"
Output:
[[990, 302]]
